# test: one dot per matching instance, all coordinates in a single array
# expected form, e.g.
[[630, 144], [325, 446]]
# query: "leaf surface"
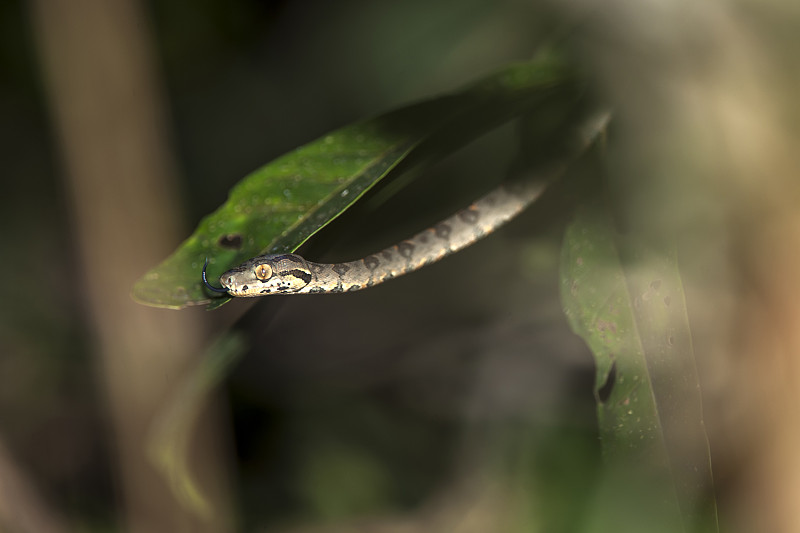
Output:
[[624, 296], [279, 206]]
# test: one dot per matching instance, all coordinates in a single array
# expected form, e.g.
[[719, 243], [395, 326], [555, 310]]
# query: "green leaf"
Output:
[[279, 206], [169, 441], [624, 297]]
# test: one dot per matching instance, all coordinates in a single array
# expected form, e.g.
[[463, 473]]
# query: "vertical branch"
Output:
[[108, 118], [21, 509]]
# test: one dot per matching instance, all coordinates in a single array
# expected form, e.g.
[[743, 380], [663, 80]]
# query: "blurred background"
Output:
[[432, 403]]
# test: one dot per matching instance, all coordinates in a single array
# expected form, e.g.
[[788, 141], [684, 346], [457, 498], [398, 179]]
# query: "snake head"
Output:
[[267, 274]]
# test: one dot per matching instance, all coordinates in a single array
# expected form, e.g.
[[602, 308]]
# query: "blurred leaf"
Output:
[[169, 442], [339, 481], [624, 297], [279, 206]]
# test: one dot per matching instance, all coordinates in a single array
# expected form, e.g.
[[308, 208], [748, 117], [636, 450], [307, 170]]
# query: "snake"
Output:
[[289, 273], [293, 274]]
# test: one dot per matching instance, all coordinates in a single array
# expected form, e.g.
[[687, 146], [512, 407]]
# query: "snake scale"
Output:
[[292, 274]]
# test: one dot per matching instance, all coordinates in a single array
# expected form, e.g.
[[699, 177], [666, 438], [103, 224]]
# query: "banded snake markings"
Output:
[[292, 274]]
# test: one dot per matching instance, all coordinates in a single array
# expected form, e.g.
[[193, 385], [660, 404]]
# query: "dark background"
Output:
[[453, 399]]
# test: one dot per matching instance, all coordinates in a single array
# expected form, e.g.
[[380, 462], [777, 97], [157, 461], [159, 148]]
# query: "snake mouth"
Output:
[[208, 285]]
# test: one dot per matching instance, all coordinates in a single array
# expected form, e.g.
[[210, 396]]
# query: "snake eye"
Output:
[[263, 272]]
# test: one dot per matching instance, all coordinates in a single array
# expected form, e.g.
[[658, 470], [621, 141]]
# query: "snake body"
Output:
[[293, 274]]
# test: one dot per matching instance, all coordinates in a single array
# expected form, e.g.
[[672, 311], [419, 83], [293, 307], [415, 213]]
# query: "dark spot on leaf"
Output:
[[667, 300], [606, 325], [655, 285], [604, 392], [671, 340], [231, 241]]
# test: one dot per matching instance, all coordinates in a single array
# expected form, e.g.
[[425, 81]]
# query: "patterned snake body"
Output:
[[292, 274]]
